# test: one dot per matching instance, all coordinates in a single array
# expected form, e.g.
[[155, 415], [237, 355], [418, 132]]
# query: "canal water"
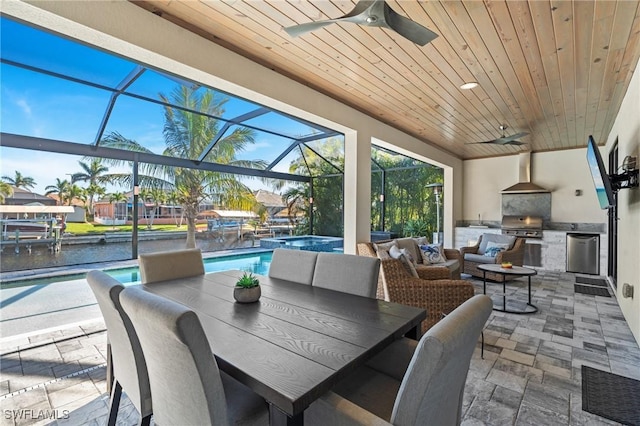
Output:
[[76, 254]]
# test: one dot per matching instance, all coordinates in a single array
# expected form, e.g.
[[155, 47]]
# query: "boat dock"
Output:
[[28, 226]]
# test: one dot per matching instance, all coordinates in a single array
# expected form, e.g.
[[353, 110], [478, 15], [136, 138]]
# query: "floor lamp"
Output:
[[437, 190]]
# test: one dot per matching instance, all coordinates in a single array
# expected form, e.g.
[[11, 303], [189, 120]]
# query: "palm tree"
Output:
[[172, 198], [6, 191], [296, 198], [74, 192], [186, 135], [157, 196], [20, 181], [92, 191], [94, 173], [142, 198], [61, 188]]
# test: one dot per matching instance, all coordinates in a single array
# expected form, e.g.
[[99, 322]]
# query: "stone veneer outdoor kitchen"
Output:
[[553, 243]]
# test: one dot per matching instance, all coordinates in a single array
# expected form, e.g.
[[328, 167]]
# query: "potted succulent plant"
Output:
[[247, 289]]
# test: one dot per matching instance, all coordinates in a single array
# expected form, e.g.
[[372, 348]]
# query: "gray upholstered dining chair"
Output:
[[186, 385], [293, 265], [169, 265], [430, 391], [347, 273], [127, 359]]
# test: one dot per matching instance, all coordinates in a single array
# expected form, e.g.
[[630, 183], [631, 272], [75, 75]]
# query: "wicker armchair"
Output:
[[470, 266], [433, 291], [426, 272]]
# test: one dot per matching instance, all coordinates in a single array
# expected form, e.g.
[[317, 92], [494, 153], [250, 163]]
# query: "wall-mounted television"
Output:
[[602, 181]]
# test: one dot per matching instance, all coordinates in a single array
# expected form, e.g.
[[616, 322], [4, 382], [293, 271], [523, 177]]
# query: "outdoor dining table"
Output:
[[296, 342]]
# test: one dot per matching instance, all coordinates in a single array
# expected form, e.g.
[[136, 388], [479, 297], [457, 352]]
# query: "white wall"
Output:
[[130, 31], [626, 129], [482, 182], [561, 172]]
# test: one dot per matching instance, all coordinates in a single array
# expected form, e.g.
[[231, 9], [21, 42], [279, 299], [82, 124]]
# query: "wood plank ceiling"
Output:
[[555, 69]]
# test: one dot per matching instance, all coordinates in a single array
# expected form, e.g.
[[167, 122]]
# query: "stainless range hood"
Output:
[[524, 185]]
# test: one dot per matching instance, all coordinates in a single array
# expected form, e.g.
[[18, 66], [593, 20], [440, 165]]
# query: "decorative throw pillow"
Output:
[[432, 253], [493, 249], [421, 240], [412, 251], [385, 246], [401, 255]]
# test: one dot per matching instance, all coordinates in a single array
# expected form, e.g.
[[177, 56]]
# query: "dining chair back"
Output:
[[347, 273], [127, 359], [433, 386], [169, 265], [186, 385], [293, 265], [429, 392]]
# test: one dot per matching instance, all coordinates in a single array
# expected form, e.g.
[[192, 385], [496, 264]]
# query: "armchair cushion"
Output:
[[496, 238], [479, 258]]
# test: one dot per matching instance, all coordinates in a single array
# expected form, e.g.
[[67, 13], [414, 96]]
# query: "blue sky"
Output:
[[41, 105]]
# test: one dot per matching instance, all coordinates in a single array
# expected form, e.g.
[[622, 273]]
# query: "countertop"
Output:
[[577, 227]]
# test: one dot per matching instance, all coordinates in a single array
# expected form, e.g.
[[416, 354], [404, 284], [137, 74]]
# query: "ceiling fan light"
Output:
[[469, 85]]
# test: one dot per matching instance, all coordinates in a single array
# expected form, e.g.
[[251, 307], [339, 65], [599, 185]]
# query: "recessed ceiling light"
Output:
[[469, 85]]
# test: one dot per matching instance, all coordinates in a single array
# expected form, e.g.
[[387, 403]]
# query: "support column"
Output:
[[357, 190], [448, 214], [134, 213]]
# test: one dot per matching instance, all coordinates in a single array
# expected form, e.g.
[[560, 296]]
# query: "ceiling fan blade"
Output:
[[358, 15], [298, 30], [363, 10], [476, 143], [373, 13], [407, 28], [505, 139], [497, 142]]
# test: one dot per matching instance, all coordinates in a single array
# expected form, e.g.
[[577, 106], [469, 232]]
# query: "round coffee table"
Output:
[[519, 271]]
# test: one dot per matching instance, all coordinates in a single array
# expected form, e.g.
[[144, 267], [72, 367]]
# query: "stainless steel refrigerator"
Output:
[[583, 253]]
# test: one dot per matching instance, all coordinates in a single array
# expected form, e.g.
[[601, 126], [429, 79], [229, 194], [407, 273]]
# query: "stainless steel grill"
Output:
[[522, 226]]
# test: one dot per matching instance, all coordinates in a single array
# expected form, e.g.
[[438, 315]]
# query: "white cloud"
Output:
[[256, 146], [24, 106]]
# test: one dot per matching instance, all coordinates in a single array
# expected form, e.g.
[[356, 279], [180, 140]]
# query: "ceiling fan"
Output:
[[505, 140], [376, 13]]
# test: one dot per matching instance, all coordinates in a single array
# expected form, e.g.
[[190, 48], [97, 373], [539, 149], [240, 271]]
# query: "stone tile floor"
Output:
[[530, 374]]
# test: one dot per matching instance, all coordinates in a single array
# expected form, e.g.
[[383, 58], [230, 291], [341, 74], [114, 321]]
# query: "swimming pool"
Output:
[[258, 263], [303, 242]]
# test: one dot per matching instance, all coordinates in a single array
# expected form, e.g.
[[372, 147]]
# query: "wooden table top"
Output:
[[298, 341]]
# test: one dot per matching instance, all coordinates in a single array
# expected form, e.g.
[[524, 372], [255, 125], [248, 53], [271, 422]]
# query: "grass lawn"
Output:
[[90, 228]]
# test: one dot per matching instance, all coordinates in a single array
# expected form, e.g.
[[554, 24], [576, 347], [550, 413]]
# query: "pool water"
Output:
[[304, 242], [258, 263]]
